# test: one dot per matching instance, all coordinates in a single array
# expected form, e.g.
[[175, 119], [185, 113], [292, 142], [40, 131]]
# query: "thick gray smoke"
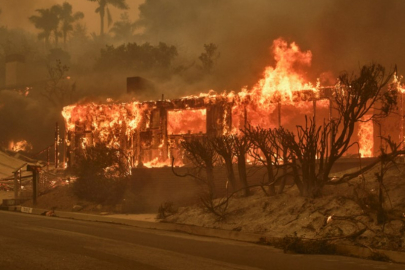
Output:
[[341, 34]]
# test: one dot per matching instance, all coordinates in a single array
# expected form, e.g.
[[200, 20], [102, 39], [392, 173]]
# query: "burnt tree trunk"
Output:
[[211, 182], [230, 174], [243, 174], [270, 179]]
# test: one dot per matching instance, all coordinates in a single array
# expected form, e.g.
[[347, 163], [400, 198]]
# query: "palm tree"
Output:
[[56, 11], [67, 19], [103, 7], [47, 21]]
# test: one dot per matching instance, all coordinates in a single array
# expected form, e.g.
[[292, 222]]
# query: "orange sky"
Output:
[[15, 13]]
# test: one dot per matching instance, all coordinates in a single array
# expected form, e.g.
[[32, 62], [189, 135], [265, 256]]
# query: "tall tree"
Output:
[[315, 149], [47, 21], [67, 18], [103, 8], [56, 11], [359, 98]]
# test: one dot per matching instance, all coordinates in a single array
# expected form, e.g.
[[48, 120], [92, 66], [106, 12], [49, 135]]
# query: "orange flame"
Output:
[[279, 83], [105, 121], [276, 86], [366, 137], [19, 146], [155, 163], [186, 121]]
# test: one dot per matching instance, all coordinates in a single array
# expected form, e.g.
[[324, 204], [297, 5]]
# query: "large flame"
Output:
[[280, 81], [107, 122], [278, 85]]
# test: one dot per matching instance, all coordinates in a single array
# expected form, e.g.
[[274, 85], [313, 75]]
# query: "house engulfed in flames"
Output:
[[150, 133]]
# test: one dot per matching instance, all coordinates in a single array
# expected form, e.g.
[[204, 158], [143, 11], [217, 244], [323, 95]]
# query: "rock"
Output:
[[99, 207], [77, 207]]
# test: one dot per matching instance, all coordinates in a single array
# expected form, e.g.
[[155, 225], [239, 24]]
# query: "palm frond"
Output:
[[121, 4]]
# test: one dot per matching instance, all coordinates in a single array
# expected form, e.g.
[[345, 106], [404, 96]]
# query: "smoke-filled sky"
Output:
[[15, 13], [341, 34]]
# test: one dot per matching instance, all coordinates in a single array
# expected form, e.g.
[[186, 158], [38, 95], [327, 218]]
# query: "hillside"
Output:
[[350, 207]]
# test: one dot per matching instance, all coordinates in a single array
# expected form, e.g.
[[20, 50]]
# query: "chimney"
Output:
[[139, 85], [15, 69]]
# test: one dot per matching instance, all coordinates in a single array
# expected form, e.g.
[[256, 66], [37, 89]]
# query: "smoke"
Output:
[[24, 118], [341, 34], [352, 33], [15, 14]]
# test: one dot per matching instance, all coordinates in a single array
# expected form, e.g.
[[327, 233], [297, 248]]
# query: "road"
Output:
[[37, 242]]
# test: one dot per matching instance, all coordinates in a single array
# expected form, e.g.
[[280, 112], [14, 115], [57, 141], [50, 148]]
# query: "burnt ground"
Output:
[[346, 213]]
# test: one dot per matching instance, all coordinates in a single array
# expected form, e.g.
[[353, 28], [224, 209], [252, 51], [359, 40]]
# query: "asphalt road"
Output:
[[37, 242]]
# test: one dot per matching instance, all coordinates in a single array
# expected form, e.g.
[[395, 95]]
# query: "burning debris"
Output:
[[18, 146]]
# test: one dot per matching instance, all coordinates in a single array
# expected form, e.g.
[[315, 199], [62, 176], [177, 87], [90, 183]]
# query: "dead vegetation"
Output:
[[346, 213]]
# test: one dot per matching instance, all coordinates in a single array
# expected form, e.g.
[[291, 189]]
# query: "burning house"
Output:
[[150, 133]]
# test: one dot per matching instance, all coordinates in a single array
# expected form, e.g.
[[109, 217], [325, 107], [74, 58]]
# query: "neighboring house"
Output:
[[9, 164]]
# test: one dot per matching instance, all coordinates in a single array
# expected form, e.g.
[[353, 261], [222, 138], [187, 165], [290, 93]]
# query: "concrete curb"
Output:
[[361, 252]]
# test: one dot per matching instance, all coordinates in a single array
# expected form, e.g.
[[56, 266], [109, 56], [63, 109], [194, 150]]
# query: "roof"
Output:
[[9, 164]]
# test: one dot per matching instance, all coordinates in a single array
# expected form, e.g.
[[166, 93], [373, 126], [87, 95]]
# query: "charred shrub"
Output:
[[295, 244], [166, 209], [101, 175]]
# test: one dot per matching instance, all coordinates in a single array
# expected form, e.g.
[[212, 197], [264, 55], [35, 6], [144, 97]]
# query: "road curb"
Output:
[[361, 252]]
